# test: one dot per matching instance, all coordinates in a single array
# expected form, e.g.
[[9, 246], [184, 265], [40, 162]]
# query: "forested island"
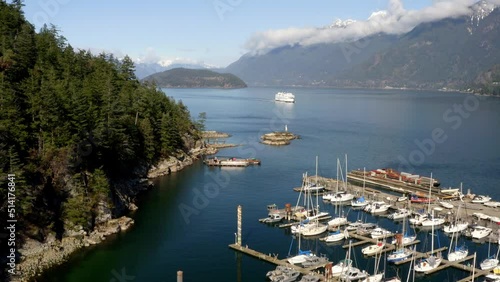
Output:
[[195, 78], [78, 136]]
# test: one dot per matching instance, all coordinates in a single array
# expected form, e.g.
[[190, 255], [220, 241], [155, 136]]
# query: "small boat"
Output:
[[300, 257], [372, 249], [377, 207], [288, 276], [479, 199], [480, 232], [433, 221], [314, 261], [481, 215], [366, 228], [336, 236], [489, 263], [492, 204], [380, 233], [340, 197], [455, 227], [272, 218], [399, 214], [340, 220], [341, 267], [353, 274], [402, 198], [446, 205], [460, 252], [309, 278], [359, 202], [420, 200], [405, 240], [399, 255], [418, 218], [280, 269]]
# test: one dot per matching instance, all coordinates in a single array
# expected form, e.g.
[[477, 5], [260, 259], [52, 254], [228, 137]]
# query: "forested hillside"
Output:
[[74, 125]]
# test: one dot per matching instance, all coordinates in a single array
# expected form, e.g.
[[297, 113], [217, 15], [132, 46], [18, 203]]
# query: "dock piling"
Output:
[[179, 276], [238, 240]]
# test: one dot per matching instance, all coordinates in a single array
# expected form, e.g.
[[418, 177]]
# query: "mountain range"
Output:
[[449, 53]]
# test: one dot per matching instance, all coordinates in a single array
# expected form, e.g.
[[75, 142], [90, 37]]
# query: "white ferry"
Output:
[[286, 97]]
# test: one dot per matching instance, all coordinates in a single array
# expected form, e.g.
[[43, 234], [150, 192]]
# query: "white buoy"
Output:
[[286, 128]]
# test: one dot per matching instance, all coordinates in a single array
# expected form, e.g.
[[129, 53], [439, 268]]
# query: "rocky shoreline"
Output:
[[36, 257]]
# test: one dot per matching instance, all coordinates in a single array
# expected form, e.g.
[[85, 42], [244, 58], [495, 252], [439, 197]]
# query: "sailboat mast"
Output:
[[430, 185], [345, 172], [317, 192], [432, 234]]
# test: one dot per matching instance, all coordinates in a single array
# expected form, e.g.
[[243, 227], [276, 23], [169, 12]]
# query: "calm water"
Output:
[[176, 229]]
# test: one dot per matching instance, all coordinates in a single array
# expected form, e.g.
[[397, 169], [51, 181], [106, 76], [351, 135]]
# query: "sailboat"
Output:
[[432, 261], [401, 253], [353, 273], [432, 221], [341, 219], [459, 252], [377, 276], [311, 226], [456, 226], [361, 201], [491, 261]]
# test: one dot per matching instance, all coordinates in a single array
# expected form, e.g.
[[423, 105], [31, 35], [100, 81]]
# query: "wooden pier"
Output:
[[274, 260]]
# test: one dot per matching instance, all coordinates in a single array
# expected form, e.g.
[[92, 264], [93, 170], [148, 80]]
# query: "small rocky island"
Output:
[[278, 138], [195, 78]]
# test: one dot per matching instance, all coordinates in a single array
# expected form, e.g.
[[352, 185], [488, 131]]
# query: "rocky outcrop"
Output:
[[278, 138], [37, 256]]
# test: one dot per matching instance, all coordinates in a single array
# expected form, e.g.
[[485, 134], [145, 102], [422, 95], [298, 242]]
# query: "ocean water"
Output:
[[187, 221]]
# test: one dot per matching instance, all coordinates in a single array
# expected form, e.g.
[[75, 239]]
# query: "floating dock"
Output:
[[230, 162]]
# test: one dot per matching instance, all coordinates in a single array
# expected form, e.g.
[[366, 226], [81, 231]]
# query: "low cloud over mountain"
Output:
[[394, 20]]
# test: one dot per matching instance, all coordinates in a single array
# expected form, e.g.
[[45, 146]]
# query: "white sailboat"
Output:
[[401, 253], [432, 221], [352, 273], [457, 225], [361, 201], [491, 261], [458, 252], [433, 261], [340, 219]]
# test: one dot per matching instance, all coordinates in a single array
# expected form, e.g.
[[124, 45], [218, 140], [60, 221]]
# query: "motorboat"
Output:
[[380, 233], [353, 274], [366, 228], [377, 207], [315, 261], [288, 276], [447, 205], [489, 263], [336, 236], [272, 218], [359, 202], [480, 199], [399, 214], [373, 249], [493, 204], [418, 218], [309, 278], [480, 232]]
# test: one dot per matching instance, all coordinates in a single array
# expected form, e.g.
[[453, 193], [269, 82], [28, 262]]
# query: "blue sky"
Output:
[[210, 31]]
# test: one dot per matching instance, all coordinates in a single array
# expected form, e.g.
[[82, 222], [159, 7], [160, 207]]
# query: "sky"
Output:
[[218, 32]]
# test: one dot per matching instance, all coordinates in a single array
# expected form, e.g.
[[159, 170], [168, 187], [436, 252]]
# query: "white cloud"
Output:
[[395, 20]]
